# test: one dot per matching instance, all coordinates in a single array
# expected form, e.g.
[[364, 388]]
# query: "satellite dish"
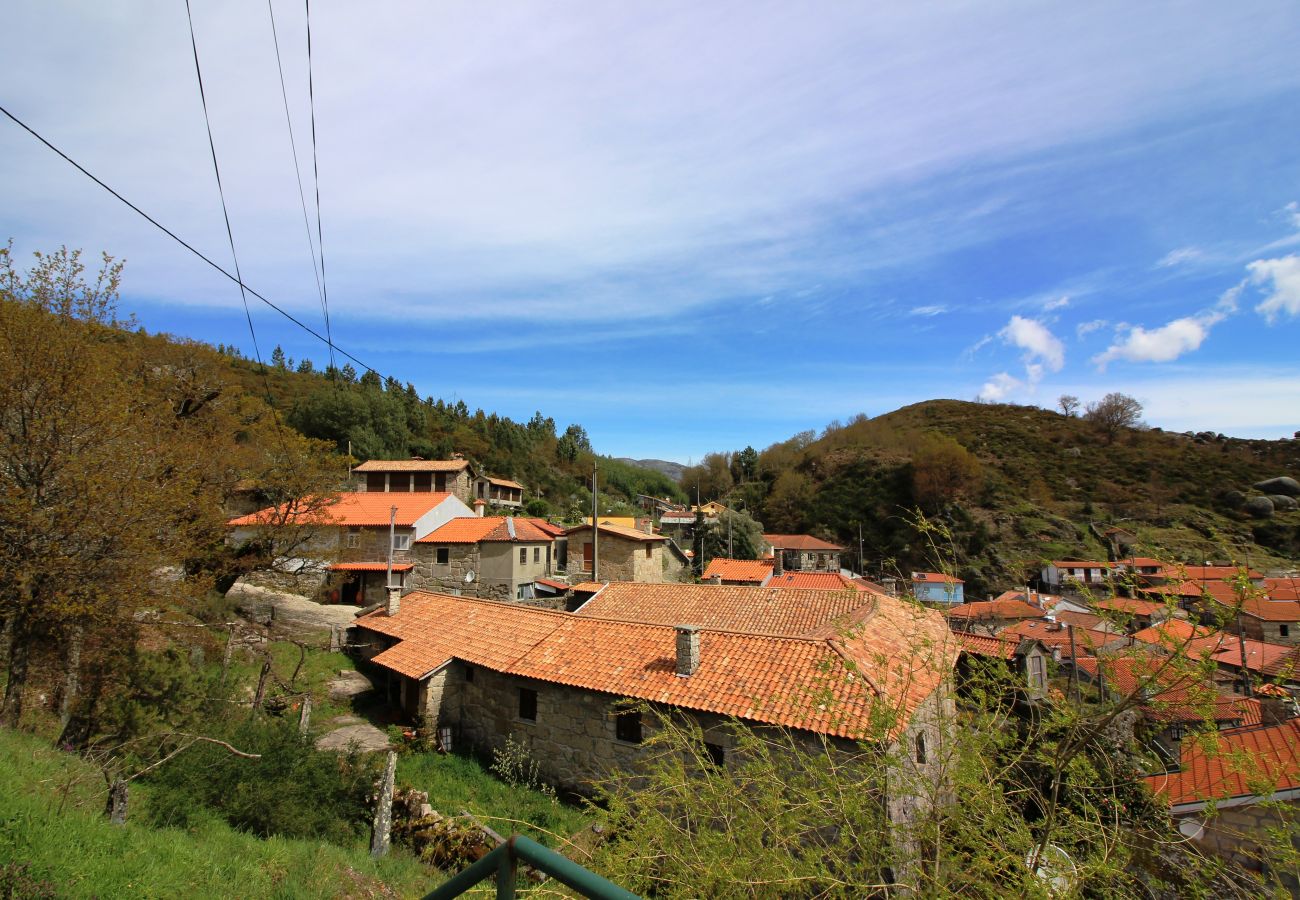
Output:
[[469, 576]]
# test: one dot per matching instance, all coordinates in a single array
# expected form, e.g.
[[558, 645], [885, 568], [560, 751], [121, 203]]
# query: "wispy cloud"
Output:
[[1083, 329], [1058, 303], [1181, 256], [1039, 344], [1000, 387], [927, 311], [1172, 340]]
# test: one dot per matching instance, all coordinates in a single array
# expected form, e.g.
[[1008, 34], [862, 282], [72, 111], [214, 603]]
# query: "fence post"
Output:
[[384, 809]]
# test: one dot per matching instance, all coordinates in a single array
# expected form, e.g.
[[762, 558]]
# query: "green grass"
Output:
[[51, 817], [458, 783]]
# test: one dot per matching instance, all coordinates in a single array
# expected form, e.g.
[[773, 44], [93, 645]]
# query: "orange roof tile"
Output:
[[589, 587], [412, 465], [477, 529], [828, 685], [935, 578], [1057, 637], [1172, 633], [550, 528], [370, 567], [356, 509], [815, 581], [757, 610], [1132, 607], [752, 570], [799, 542], [1272, 660], [1285, 588], [1248, 761], [619, 531], [995, 609], [983, 645], [1206, 573], [504, 482]]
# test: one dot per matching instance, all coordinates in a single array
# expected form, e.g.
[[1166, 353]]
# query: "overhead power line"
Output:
[[315, 168], [297, 170], [178, 239]]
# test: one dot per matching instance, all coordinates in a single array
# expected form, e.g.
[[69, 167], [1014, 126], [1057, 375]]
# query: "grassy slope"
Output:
[[69, 843]]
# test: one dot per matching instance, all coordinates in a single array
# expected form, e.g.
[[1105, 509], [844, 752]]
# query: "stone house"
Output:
[[350, 537], [738, 571], [496, 557], [804, 553], [1228, 802], [1026, 657], [420, 476], [558, 682], [623, 554], [498, 491]]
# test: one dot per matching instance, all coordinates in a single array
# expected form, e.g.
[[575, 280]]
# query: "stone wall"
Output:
[[496, 568], [1259, 630], [621, 559], [1235, 833]]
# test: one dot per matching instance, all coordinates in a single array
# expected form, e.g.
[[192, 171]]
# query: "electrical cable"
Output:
[[315, 167], [178, 239]]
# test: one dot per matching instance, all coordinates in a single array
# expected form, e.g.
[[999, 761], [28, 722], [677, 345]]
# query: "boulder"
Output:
[[1259, 507], [1283, 484], [1283, 503], [1233, 499]]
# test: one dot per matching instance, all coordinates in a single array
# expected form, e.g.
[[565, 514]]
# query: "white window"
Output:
[[401, 542]]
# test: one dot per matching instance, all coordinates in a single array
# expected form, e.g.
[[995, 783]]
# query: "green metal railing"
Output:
[[504, 861]]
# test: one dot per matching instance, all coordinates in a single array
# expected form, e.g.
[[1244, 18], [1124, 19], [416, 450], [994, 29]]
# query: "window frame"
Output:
[[629, 727], [442, 556], [352, 540], [401, 542], [527, 702], [523, 556]]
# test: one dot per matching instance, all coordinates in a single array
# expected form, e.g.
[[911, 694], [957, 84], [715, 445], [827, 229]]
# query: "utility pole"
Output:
[[862, 567], [595, 520]]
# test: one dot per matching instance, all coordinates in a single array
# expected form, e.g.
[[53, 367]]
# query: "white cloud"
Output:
[[1172, 340], [1038, 343], [1058, 303], [928, 311], [999, 387], [1086, 328], [1179, 257], [1281, 279], [1292, 213]]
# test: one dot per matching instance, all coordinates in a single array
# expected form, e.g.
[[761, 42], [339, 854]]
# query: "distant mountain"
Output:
[[671, 469]]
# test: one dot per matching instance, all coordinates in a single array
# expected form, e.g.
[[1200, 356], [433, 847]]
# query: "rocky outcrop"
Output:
[[1259, 507], [1284, 484], [1283, 503]]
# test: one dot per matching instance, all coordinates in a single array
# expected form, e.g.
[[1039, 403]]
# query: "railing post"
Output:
[[506, 870]]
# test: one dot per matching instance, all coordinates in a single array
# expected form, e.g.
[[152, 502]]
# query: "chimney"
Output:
[[394, 600], [688, 650], [715, 579], [1272, 710], [479, 506], [778, 564]]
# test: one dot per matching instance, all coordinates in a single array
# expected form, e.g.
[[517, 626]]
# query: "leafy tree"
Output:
[[1068, 404], [744, 465], [733, 534], [942, 470], [277, 358], [1114, 413], [711, 479], [573, 442], [786, 509], [305, 367]]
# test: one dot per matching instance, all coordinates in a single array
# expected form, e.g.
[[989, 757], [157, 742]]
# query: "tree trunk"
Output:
[[260, 694], [384, 809], [71, 676], [11, 708], [82, 721], [230, 649], [117, 800]]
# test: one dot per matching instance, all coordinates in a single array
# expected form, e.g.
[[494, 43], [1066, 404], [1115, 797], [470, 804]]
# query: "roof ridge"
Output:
[[702, 628]]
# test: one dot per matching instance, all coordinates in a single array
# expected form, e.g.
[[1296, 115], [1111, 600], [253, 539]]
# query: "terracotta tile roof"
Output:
[[935, 578], [982, 645], [1172, 633], [1271, 610], [1272, 660], [828, 686], [1082, 564], [619, 531], [1283, 588], [1206, 573], [815, 581], [436, 627], [752, 570], [678, 517], [589, 586], [1056, 637], [995, 609], [1248, 761], [479, 529], [799, 542], [355, 509], [550, 528], [412, 465], [1174, 694], [552, 583], [1221, 591], [370, 567], [757, 610], [1132, 607], [1083, 620], [504, 482]]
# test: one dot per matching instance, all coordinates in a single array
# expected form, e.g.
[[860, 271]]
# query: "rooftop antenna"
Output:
[[595, 521]]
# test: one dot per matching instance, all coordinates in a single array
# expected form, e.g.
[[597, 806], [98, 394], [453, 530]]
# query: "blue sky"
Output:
[[692, 227]]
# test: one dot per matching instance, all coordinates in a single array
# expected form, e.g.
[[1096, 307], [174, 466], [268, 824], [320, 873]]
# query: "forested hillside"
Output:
[[1012, 485]]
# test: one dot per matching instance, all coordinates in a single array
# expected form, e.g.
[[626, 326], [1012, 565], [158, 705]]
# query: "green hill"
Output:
[[1010, 486]]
